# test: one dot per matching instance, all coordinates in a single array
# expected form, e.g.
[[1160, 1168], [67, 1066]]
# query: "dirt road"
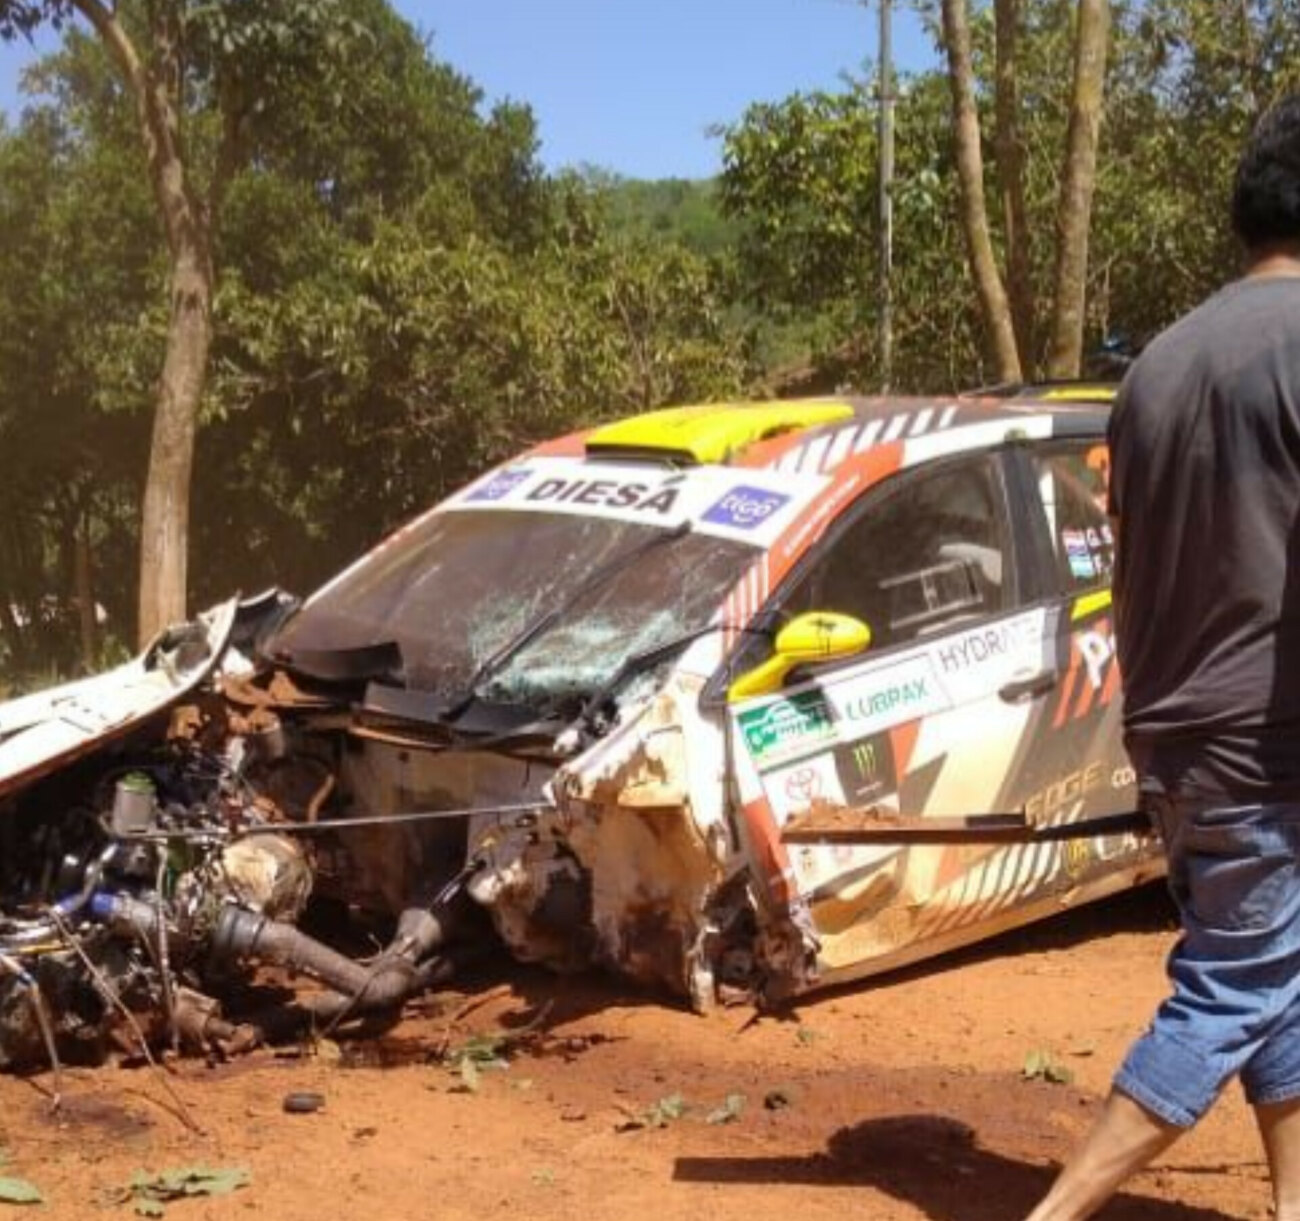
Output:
[[891, 1102]]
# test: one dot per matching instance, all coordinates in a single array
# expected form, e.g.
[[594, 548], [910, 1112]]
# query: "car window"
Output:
[[928, 553], [1072, 483]]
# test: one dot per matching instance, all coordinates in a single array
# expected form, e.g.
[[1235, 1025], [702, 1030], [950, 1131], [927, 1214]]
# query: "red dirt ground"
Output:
[[891, 1101]]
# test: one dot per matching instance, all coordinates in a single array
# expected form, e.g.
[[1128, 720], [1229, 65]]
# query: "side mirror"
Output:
[[811, 637]]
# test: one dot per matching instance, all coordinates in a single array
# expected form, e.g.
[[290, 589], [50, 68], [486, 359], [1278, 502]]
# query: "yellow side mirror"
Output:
[[811, 637]]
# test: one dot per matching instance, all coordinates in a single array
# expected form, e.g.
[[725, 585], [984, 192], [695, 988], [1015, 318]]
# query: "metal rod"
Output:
[[385, 820], [973, 829]]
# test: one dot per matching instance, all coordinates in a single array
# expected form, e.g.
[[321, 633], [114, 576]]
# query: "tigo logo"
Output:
[[745, 507]]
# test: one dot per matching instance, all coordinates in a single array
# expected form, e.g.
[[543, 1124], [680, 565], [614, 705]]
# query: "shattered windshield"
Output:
[[456, 588]]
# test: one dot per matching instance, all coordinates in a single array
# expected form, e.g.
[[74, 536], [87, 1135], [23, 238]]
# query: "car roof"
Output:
[[819, 435]]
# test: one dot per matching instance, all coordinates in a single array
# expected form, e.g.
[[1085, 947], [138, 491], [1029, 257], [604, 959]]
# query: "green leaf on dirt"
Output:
[[730, 1109], [659, 1115], [19, 1191], [672, 1106], [151, 1192], [469, 1077], [481, 1049], [1041, 1065], [806, 1035]]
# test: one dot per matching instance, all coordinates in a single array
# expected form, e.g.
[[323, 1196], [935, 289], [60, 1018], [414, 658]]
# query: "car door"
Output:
[[1073, 763], [929, 720]]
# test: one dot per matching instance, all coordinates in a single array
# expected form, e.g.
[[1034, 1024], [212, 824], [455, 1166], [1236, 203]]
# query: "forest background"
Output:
[[401, 295]]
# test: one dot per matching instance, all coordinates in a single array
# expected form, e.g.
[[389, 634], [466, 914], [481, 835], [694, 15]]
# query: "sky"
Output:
[[634, 87]]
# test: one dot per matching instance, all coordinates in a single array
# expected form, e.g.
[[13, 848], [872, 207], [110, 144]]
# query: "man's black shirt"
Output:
[[1205, 481]]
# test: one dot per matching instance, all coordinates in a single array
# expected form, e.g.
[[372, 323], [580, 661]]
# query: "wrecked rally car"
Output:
[[569, 710]]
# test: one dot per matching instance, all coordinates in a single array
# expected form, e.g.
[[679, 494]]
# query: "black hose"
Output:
[[372, 987]]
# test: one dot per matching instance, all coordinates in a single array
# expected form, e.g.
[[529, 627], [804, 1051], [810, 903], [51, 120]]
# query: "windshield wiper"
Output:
[[638, 663], [531, 631]]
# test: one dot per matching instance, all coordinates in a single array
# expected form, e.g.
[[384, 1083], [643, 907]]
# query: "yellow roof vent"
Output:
[[1078, 392], [711, 433]]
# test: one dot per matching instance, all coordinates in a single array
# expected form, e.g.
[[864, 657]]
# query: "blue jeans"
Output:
[[1235, 1008]]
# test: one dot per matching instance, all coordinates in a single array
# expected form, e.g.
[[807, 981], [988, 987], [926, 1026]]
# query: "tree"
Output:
[[1078, 180], [176, 59], [1033, 298], [1078, 184], [994, 304], [77, 269], [1010, 157], [798, 181]]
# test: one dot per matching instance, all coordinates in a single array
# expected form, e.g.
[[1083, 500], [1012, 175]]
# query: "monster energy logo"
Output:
[[800, 721], [864, 756]]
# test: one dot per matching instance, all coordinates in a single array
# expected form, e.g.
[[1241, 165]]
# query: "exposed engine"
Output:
[[131, 894]]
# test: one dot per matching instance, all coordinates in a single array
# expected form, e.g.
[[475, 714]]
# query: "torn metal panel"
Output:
[[49, 729], [630, 821]]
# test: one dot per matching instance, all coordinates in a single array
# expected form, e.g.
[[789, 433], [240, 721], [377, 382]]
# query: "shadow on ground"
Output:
[[931, 1162]]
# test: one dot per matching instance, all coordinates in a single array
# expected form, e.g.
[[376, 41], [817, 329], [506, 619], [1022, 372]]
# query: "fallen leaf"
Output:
[[1040, 1065], [730, 1110], [19, 1191]]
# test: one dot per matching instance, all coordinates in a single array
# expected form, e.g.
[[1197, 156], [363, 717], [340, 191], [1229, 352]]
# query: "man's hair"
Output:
[[1266, 195]]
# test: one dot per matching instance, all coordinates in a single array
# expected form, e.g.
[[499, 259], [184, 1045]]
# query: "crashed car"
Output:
[[570, 710]]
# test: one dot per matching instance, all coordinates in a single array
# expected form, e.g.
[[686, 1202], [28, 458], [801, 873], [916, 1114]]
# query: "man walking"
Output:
[[1205, 484]]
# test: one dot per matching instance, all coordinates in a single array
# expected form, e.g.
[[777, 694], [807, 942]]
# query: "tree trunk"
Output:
[[156, 88], [1078, 182], [1011, 178], [994, 306], [84, 593], [164, 525]]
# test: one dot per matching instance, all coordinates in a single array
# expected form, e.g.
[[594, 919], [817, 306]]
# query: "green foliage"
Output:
[[22, 17], [405, 297], [677, 210], [800, 178]]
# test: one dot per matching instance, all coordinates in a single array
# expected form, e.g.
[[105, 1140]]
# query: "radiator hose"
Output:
[[358, 988]]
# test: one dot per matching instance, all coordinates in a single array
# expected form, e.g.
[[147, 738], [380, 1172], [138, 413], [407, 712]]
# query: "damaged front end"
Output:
[[191, 847]]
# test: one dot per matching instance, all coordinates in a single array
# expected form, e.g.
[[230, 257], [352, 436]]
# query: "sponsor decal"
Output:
[[803, 785], [1078, 855], [1078, 553], [1093, 677], [745, 507], [788, 727], [866, 770], [500, 485], [888, 695], [1096, 649], [656, 499], [1122, 777], [875, 705], [1070, 788], [987, 644]]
